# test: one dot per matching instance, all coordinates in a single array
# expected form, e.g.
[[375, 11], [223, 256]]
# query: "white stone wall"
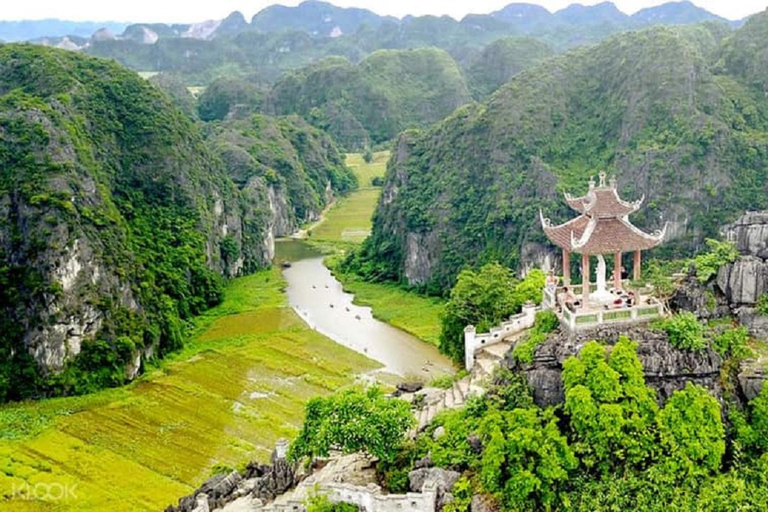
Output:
[[516, 323]]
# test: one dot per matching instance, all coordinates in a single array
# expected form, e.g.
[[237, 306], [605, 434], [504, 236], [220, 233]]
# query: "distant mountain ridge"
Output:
[[320, 18]]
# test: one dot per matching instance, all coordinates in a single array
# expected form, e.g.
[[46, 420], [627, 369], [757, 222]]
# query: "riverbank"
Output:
[[344, 227], [238, 386]]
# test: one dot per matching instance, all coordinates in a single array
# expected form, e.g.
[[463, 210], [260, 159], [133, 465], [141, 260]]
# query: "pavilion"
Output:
[[603, 227]]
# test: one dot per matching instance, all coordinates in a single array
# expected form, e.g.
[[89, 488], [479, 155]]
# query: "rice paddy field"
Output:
[[349, 220], [238, 386]]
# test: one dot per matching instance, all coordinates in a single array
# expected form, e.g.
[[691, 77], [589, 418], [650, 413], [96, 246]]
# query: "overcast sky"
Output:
[[198, 10]]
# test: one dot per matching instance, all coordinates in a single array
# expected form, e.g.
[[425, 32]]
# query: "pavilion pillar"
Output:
[[566, 268], [636, 273], [617, 270], [584, 279]]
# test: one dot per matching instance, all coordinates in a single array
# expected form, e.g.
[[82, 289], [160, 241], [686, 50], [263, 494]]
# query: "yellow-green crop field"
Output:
[[349, 220], [239, 386], [365, 172]]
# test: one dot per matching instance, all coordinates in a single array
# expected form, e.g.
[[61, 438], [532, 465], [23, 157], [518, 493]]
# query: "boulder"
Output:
[[705, 301], [438, 479], [409, 387], [279, 479]]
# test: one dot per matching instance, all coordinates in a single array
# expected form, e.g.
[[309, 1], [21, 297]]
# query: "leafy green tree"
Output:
[[525, 457], [484, 299], [719, 254], [612, 412], [353, 421], [692, 432]]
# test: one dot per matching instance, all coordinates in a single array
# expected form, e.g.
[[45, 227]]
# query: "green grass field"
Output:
[[349, 220], [366, 172], [235, 389]]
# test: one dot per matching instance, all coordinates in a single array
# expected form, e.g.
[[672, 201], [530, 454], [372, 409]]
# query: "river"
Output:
[[319, 299]]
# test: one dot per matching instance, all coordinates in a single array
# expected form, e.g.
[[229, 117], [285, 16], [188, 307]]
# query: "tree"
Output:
[[719, 254], [612, 411], [484, 299], [525, 457], [692, 431], [352, 421]]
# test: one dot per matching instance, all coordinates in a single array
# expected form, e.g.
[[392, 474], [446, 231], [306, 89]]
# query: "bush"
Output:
[[546, 322], [719, 254], [733, 342], [321, 503], [684, 331]]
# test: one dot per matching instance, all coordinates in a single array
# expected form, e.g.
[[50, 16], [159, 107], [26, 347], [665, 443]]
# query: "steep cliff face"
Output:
[[651, 108], [116, 222]]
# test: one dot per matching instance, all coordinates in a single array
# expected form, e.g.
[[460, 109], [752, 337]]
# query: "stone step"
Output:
[[448, 398], [423, 419], [497, 351], [463, 385], [433, 410], [487, 365]]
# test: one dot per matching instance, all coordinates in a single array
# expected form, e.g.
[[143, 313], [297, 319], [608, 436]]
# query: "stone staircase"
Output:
[[474, 384]]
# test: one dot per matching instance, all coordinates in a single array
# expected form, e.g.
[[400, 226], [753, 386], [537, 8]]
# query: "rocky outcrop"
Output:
[[746, 279], [667, 369], [259, 484], [706, 301]]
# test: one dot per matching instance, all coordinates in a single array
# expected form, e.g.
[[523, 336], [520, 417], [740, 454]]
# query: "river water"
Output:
[[320, 300]]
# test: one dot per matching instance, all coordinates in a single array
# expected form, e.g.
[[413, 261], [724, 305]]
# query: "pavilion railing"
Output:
[[576, 319]]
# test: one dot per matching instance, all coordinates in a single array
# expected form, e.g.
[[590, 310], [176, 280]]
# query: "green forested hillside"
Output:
[[498, 62], [297, 161], [371, 102], [116, 220], [657, 108]]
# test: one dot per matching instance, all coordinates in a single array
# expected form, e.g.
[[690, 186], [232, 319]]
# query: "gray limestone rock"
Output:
[[667, 369]]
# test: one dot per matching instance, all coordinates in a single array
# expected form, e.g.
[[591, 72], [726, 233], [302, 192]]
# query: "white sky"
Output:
[[187, 11]]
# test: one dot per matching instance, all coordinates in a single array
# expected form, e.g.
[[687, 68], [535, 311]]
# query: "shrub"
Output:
[[718, 255], [546, 322], [684, 331], [733, 341], [762, 304]]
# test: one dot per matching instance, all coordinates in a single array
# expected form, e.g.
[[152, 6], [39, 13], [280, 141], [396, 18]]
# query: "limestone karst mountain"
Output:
[[660, 109], [117, 220]]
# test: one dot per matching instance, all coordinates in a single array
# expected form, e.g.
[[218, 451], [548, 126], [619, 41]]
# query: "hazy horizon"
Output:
[[146, 11]]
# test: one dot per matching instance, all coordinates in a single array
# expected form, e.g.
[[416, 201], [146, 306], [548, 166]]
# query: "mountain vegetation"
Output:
[[609, 446], [371, 102], [676, 114], [501, 60], [118, 222]]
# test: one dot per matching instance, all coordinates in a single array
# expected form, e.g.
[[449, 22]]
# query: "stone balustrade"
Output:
[[516, 323]]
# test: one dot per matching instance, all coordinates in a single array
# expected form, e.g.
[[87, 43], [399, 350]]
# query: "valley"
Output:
[[239, 384], [355, 234]]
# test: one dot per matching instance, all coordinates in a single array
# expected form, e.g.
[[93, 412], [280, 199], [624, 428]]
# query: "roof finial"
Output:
[[612, 182], [602, 179], [591, 182]]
